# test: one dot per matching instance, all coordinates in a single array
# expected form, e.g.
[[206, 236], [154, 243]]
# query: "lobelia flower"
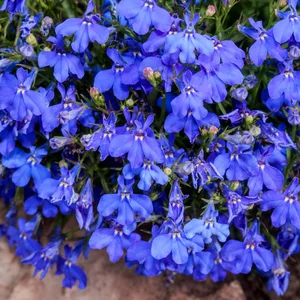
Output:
[[141, 253], [101, 138], [17, 97], [279, 280], [275, 136], [68, 267], [250, 81], [240, 94], [264, 45], [28, 165], [13, 7], [236, 203], [238, 164], [187, 41], [287, 83], [128, 204], [191, 98], [168, 68], [157, 38], [22, 237], [140, 144], [207, 226], [176, 206], [32, 204], [244, 254], [203, 171], [44, 258], [267, 175], [226, 52], [294, 52], [286, 206], [141, 14], [284, 29], [86, 29], [28, 23], [294, 116], [116, 238], [216, 76], [170, 153], [190, 125], [148, 173], [84, 206], [118, 77], [64, 63], [220, 267], [172, 240], [60, 189]]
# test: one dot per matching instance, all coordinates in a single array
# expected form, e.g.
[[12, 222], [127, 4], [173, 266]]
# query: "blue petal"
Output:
[[22, 176], [161, 246]]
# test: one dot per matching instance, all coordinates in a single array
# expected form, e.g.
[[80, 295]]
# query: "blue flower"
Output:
[[141, 253], [148, 173], [119, 77], [44, 258], [236, 203], [13, 7], [287, 83], [28, 164], [171, 239], [203, 171], [238, 164], [141, 14], [116, 239], [187, 41], [22, 237], [286, 206], [176, 206], [265, 43], [139, 144], [157, 38], [279, 280], [207, 226], [28, 23], [244, 254], [290, 25], [191, 126], [215, 78], [101, 138], [191, 98], [128, 204], [68, 267], [267, 175], [32, 204], [17, 97], [64, 63], [60, 189], [84, 206], [85, 29]]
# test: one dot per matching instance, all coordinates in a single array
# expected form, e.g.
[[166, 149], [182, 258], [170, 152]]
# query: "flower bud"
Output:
[[240, 93], [27, 51], [235, 185], [59, 142], [97, 97], [255, 131], [249, 119], [157, 75], [186, 168], [213, 130], [130, 102], [250, 81], [211, 10], [148, 73], [282, 3], [31, 40], [294, 52], [247, 138], [167, 171]]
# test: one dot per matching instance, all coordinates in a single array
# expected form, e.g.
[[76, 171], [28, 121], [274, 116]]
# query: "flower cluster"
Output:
[[172, 140]]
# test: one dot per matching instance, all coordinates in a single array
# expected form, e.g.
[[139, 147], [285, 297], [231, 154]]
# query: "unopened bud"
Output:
[[255, 131], [235, 185], [97, 97], [157, 75], [204, 131], [282, 3], [31, 40], [213, 130], [211, 10], [240, 93], [249, 119], [129, 102], [294, 52], [186, 168], [167, 171], [59, 142], [148, 73], [63, 163]]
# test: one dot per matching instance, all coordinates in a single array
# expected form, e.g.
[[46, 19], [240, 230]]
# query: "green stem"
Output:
[[220, 105]]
